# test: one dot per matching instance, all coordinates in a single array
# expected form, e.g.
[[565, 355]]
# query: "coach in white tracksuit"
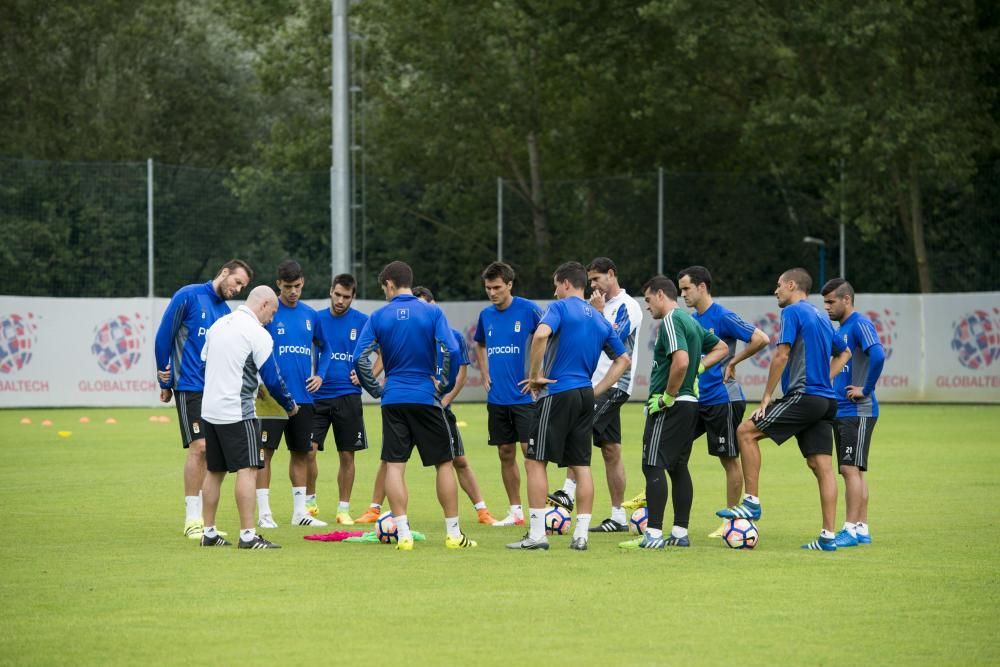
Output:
[[237, 355]]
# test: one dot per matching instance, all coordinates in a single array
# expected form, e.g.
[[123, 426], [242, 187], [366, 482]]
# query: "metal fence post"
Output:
[[149, 223]]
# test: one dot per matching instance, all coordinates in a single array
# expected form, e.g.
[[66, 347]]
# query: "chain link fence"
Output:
[[81, 229]]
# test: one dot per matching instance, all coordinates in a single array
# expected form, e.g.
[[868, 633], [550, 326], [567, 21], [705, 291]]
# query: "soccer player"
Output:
[[293, 330], [857, 407], [179, 368], [564, 352], [503, 340], [625, 316], [671, 413], [236, 350], [802, 361], [338, 400], [466, 476], [409, 334], [721, 403]]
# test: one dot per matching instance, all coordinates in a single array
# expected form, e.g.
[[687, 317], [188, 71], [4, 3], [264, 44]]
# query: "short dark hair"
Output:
[[345, 280], [698, 275], [839, 287], [573, 272], [234, 264], [602, 265], [661, 284], [289, 271], [499, 270], [800, 277], [422, 292], [398, 272]]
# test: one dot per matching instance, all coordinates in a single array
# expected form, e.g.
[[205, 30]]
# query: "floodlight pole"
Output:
[[822, 256], [500, 219], [843, 235], [659, 223], [340, 176], [149, 224]]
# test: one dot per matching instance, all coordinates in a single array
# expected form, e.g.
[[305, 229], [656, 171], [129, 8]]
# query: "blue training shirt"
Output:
[[336, 339], [729, 327], [812, 341], [410, 333], [181, 335], [293, 331], [863, 369], [579, 335], [506, 335]]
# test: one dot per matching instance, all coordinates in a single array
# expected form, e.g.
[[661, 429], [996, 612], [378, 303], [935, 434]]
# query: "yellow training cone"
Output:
[[65, 434]]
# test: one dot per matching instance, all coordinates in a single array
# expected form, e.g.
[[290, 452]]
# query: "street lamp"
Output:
[[822, 257]]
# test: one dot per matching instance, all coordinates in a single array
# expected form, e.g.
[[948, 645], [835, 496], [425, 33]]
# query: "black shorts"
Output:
[[607, 426], [809, 418], [667, 439], [720, 422], [346, 416], [457, 447], [560, 429], [189, 416], [297, 431], [853, 436], [405, 425], [232, 447], [508, 424]]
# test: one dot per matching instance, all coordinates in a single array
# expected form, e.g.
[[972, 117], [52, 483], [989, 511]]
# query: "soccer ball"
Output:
[[385, 528], [637, 524], [740, 534], [557, 521]]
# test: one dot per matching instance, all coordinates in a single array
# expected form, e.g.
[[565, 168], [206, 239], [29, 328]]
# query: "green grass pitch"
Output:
[[95, 570]]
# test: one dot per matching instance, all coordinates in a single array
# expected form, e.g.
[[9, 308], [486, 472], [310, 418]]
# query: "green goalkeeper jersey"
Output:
[[679, 331]]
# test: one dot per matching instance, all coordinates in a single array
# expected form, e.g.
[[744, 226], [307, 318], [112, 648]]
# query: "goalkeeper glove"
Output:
[[701, 369], [658, 402]]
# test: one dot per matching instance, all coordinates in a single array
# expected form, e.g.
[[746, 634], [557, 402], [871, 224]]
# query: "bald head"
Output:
[[263, 302]]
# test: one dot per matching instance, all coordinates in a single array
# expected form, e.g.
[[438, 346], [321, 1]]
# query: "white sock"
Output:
[[481, 505], [517, 510], [618, 514], [569, 486], [536, 527], [298, 500], [826, 534], [582, 526], [248, 534], [310, 497], [677, 531], [263, 501], [451, 525], [654, 533], [375, 506], [192, 508], [861, 528], [343, 506], [210, 531], [753, 499], [851, 528], [403, 527]]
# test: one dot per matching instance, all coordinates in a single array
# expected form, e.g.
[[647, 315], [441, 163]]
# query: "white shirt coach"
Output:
[[625, 315], [236, 349]]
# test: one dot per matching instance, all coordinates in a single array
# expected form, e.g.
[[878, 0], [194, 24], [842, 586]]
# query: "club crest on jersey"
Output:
[[309, 325], [517, 326], [403, 314], [489, 331], [354, 334]]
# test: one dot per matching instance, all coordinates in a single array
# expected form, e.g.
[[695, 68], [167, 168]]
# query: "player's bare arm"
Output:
[[758, 341], [778, 363], [539, 341], [838, 362], [618, 368], [448, 398], [715, 355], [484, 365]]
